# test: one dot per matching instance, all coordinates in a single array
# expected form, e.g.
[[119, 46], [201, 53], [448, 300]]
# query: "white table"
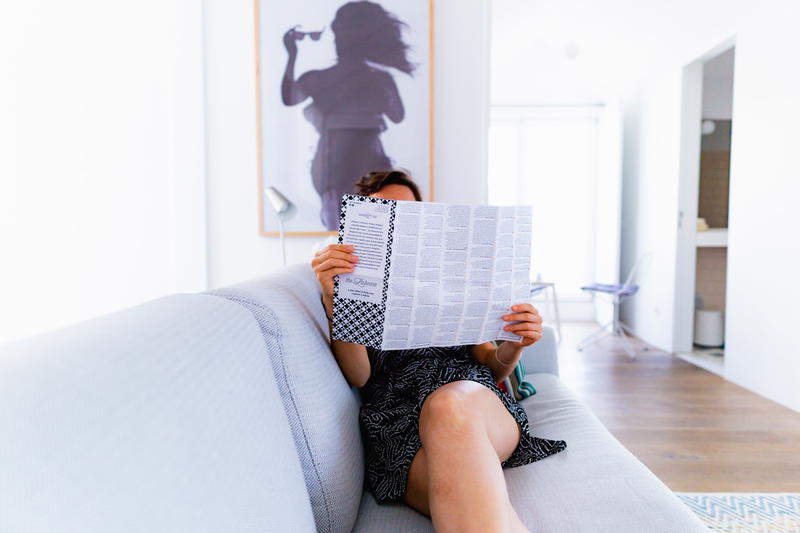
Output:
[[547, 287]]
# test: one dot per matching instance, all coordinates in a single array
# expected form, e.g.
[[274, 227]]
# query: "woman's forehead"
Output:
[[395, 191]]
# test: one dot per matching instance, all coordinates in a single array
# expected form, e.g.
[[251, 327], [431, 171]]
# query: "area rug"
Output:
[[746, 512]]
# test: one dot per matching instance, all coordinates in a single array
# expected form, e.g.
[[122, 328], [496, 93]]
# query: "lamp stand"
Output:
[[283, 240]]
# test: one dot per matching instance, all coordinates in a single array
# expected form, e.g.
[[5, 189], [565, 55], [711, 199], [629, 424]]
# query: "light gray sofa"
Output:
[[226, 412]]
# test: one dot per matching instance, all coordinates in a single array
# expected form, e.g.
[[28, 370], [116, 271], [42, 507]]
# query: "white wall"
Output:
[[236, 251], [651, 157], [762, 350], [612, 43], [101, 158]]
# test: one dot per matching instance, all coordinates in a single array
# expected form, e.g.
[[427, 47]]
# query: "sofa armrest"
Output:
[[162, 417], [542, 356]]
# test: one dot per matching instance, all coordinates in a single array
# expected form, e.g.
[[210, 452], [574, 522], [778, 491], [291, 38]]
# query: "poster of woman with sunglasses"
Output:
[[344, 89]]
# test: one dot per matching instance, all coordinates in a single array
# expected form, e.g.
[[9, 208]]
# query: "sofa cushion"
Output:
[[595, 485], [161, 418], [322, 408]]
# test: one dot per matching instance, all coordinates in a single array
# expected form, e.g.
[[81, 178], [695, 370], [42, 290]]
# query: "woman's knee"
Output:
[[446, 408]]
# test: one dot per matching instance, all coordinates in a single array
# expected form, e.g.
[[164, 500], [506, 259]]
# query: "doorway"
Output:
[[707, 125]]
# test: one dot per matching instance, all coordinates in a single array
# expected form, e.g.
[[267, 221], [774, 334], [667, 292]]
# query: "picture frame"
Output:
[[327, 96]]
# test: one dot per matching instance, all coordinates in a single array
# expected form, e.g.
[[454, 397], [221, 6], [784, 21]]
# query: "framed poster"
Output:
[[343, 88]]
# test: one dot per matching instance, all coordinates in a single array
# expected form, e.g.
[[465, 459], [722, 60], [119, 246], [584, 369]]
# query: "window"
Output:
[[547, 157]]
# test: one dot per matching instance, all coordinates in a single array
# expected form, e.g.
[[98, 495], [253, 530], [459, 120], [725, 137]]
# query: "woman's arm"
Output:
[[352, 358], [502, 360], [394, 104], [291, 91]]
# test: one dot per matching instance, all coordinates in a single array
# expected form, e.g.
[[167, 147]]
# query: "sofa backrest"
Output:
[[164, 417], [322, 408]]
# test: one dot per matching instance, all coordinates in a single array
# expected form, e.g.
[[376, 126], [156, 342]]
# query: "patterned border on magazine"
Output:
[[355, 320]]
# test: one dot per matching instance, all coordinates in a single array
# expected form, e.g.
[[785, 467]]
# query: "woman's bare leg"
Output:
[[417, 491], [456, 476], [417, 487]]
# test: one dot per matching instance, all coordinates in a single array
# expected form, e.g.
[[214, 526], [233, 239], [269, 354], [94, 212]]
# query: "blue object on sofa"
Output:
[[226, 412]]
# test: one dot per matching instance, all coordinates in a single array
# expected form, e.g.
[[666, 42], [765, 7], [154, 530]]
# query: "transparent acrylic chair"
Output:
[[617, 293]]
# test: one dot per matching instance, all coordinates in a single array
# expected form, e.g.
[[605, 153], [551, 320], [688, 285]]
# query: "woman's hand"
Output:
[[332, 260], [528, 324], [290, 41], [352, 358]]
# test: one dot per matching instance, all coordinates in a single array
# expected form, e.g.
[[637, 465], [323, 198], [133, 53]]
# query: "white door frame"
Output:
[[688, 191]]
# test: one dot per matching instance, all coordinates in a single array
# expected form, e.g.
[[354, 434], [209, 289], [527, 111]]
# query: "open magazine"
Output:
[[430, 274]]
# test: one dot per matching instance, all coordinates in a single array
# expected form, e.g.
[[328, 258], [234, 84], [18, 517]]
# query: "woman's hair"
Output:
[[373, 182], [365, 30]]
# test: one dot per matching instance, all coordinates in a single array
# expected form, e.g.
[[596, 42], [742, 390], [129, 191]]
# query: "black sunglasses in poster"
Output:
[[300, 35]]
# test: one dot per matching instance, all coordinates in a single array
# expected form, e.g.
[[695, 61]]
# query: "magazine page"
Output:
[[430, 274]]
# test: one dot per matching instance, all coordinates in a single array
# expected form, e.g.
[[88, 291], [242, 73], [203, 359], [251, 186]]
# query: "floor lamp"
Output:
[[284, 209]]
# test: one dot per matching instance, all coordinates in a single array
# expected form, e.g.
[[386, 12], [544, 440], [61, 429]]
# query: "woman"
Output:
[[437, 430], [349, 99]]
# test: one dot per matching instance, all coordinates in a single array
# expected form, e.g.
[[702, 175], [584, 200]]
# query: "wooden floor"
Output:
[[695, 430]]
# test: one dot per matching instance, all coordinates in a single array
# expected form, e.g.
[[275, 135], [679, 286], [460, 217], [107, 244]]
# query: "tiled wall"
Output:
[[711, 269], [714, 180]]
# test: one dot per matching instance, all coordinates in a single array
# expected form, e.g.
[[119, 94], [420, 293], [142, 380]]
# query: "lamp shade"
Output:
[[282, 206]]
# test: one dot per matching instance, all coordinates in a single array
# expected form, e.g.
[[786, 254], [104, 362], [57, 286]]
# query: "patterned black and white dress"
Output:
[[392, 398]]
